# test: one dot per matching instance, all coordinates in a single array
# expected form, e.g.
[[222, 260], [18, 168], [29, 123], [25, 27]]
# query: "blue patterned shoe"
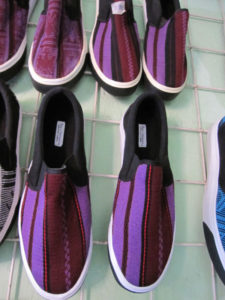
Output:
[[214, 197]]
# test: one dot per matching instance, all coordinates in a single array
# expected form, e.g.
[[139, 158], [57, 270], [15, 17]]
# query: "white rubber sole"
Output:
[[18, 55], [106, 80], [62, 80], [39, 290], [211, 189], [18, 183], [120, 276]]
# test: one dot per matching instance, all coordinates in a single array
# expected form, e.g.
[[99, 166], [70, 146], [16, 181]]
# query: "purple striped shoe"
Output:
[[58, 52], [142, 227], [114, 47], [14, 15], [164, 58], [55, 212]]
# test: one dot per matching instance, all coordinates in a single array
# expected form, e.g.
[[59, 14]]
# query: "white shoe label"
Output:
[[59, 133], [142, 136], [118, 8]]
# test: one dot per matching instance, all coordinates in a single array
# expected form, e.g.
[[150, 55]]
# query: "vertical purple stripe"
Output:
[[150, 49], [135, 227], [107, 64], [98, 39], [85, 207], [170, 199], [161, 54], [37, 251], [118, 220], [27, 218]]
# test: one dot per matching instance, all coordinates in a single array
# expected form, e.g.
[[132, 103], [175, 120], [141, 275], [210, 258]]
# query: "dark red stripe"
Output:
[[30, 247], [126, 225]]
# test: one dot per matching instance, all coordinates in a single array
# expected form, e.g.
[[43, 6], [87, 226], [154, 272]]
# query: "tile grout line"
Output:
[[11, 271], [213, 281], [223, 14]]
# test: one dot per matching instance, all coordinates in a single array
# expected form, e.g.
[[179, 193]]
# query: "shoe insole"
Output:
[[148, 131], [58, 131]]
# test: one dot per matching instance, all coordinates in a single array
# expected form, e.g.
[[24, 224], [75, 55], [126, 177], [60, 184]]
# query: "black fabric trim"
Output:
[[23, 3], [104, 10], [73, 9], [8, 159], [131, 161], [115, 57], [76, 163]]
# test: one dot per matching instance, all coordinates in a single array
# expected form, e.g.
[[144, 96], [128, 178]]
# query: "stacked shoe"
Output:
[[59, 49], [55, 214], [214, 197], [14, 16], [164, 59], [10, 125], [142, 228], [114, 47]]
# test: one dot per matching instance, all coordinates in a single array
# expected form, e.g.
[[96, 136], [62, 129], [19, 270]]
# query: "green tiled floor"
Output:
[[190, 275]]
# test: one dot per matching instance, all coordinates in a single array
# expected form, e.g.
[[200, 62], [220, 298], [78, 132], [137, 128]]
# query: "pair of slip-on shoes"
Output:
[[115, 51], [55, 212], [59, 48]]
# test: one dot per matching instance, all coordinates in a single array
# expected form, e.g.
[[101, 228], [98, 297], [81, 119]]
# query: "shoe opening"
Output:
[[58, 131], [169, 7], [148, 131]]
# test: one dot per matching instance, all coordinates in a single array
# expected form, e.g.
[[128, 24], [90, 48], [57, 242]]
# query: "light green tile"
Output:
[[188, 199], [184, 154], [26, 94], [220, 291], [107, 149], [37, 11], [181, 112], [5, 263], [206, 8], [209, 69], [100, 283], [25, 139], [118, 105], [212, 107], [85, 95], [102, 197], [89, 12], [211, 33], [87, 140], [188, 276]]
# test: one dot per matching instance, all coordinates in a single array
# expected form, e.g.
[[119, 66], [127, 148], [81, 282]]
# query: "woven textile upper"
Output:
[[58, 41], [116, 46], [55, 225], [164, 50], [7, 191], [143, 225], [13, 21]]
